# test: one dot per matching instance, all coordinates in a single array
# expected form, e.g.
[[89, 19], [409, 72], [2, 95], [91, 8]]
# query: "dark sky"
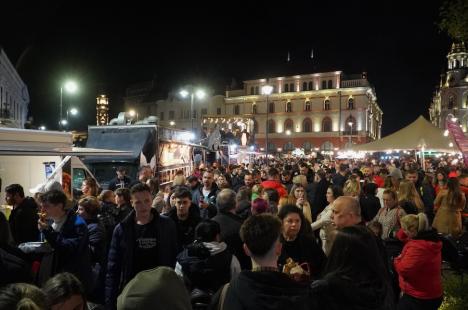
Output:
[[106, 48]]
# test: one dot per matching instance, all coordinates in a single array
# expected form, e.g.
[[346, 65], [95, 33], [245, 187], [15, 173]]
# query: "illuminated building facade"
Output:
[[102, 110]]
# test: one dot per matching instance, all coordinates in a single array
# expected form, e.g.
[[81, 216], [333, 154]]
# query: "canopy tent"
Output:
[[418, 135]]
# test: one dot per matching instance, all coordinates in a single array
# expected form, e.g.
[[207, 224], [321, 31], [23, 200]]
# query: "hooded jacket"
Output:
[[120, 263], [23, 221], [419, 266], [336, 293], [264, 290], [157, 288]]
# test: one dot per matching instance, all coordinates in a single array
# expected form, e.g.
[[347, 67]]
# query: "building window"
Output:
[[289, 146], [327, 146], [271, 125], [324, 84], [326, 104], [310, 86], [307, 106], [307, 125], [326, 124], [236, 109], [271, 147], [271, 107], [288, 125], [330, 84], [254, 108], [304, 86], [291, 87], [350, 125], [286, 88], [218, 111], [307, 146], [288, 106], [451, 102], [256, 90], [171, 115], [350, 104], [252, 90], [204, 111], [161, 116]]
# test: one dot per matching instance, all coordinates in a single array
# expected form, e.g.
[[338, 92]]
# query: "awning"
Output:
[[63, 151]]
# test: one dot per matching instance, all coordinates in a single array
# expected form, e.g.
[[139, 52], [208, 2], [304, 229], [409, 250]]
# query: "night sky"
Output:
[[106, 48]]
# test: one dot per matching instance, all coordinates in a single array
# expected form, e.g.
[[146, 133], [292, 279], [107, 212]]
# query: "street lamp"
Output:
[[350, 133], [200, 93], [172, 123], [266, 90], [70, 87]]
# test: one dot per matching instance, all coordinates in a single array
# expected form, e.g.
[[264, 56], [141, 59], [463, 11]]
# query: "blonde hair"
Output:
[[300, 179], [25, 296], [178, 180], [352, 188], [407, 192], [415, 223]]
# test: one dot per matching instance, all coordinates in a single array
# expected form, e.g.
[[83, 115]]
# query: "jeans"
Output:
[[408, 302]]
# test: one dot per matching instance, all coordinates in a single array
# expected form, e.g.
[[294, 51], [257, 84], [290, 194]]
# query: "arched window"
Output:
[[310, 86], [288, 106], [451, 102], [291, 87], [288, 146], [271, 147], [330, 84], [324, 84], [286, 88], [288, 125], [307, 125], [326, 124], [350, 104], [307, 106], [271, 107], [307, 146], [350, 125], [254, 108], [236, 109], [252, 90], [256, 90], [326, 104], [271, 126], [304, 86]]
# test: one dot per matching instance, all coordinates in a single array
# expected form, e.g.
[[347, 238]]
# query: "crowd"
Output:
[[298, 233]]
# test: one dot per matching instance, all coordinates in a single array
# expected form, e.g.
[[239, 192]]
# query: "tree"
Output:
[[454, 19]]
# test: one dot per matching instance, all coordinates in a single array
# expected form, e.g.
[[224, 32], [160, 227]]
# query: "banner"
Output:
[[459, 136]]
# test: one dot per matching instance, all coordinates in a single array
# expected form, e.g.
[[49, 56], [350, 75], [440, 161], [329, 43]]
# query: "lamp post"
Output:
[[70, 87], [266, 90], [200, 93], [350, 133]]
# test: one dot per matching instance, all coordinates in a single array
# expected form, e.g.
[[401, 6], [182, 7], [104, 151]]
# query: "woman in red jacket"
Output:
[[419, 265]]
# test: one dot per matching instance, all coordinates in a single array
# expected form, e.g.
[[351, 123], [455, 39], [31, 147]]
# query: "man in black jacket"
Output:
[[265, 287], [23, 217], [143, 240], [121, 180], [186, 216], [230, 225]]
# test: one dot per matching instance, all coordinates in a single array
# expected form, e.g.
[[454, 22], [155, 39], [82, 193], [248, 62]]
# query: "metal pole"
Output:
[[61, 114], [267, 130], [350, 134], [191, 108]]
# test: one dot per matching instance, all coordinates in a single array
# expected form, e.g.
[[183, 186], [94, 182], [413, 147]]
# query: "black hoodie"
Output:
[[264, 290], [334, 292]]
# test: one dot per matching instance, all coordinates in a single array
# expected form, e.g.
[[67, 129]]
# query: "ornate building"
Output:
[[321, 111], [450, 97], [102, 110], [14, 95]]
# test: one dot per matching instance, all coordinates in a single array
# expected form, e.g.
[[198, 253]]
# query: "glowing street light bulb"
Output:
[[200, 94], [71, 86], [73, 111], [446, 133], [288, 132], [132, 113], [184, 93], [172, 123]]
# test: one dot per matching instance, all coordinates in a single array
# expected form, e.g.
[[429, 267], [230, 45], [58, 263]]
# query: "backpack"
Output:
[[14, 269]]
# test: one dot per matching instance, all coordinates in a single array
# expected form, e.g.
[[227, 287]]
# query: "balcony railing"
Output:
[[354, 83]]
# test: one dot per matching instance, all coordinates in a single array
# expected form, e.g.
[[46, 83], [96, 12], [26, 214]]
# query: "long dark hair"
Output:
[[454, 195], [355, 256]]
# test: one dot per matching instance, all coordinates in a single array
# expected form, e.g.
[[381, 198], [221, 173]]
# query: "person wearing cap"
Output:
[[121, 180]]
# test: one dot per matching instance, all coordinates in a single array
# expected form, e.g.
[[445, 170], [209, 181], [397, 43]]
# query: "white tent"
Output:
[[419, 135]]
